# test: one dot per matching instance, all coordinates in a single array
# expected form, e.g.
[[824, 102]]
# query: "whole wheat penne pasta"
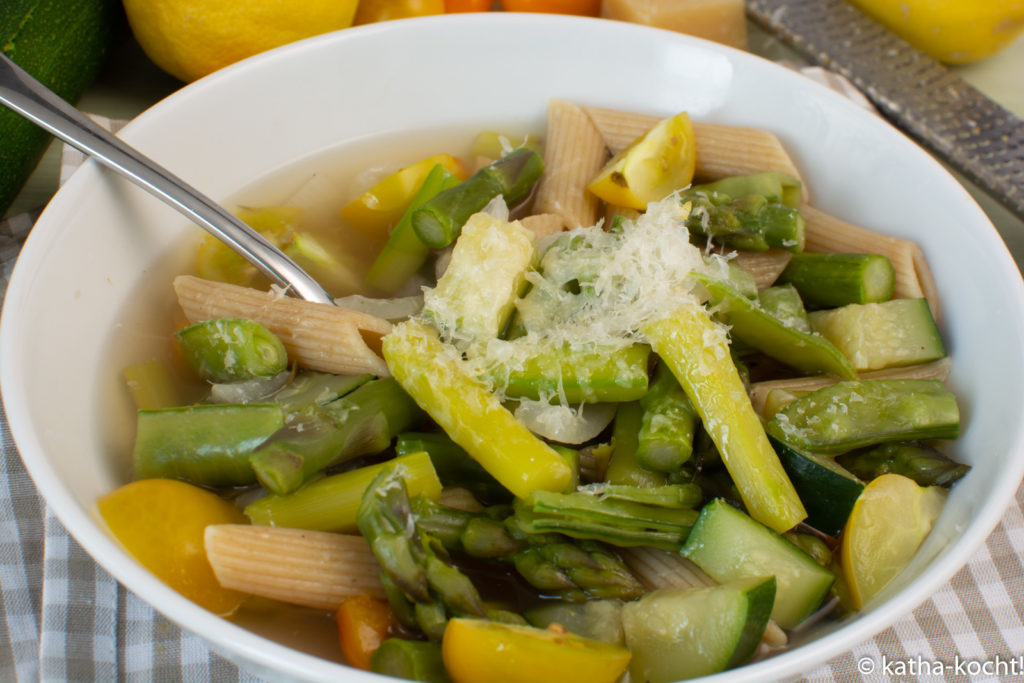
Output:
[[663, 569], [318, 336], [309, 568], [759, 391], [543, 224], [574, 152], [765, 266], [611, 212], [722, 150], [826, 233]]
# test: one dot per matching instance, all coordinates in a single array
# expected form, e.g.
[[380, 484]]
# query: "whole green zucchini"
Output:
[[63, 44]]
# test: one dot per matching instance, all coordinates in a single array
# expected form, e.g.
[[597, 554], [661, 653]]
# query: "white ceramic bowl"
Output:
[[101, 240]]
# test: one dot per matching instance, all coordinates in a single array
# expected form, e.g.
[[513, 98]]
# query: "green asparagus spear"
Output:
[[855, 414], [831, 280], [572, 570], [696, 350], [773, 185], [414, 561], [411, 660], [303, 396], [614, 521], [404, 252], [811, 353], [924, 464], [439, 221], [577, 373], [208, 445], [431, 372], [232, 349], [752, 222], [362, 422], [331, 503], [665, 441], [624, 467]]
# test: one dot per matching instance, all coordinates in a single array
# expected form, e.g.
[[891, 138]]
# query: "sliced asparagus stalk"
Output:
[[439, 222], [830, 280], [855, 414], [362, 422], [208, 445], [750, 324], [924, 464], [404, 252], [432, 373], [696, 349], [665, 441], [331, 503]]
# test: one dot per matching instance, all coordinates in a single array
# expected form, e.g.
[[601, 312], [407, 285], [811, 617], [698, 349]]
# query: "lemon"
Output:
[[161, 522], [478, 651], [952, 31], [651, 167], [887, 525], [192, 38]]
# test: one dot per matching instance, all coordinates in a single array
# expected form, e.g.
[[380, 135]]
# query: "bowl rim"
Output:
[[257, 649]]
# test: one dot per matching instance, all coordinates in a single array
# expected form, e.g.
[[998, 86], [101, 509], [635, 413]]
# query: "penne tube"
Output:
[[765, 266], [658, 569], [543, 224], [611, 212], [759, 390], [574, 153], [722, 150], [309, 568], [914, 279], [318, 336]]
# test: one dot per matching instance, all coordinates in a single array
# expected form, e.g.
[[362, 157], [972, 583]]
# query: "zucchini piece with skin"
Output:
[[889, 334], [680, 633], [63, 44], [696, 349], [729, 545], [827, 490], [855, 414]]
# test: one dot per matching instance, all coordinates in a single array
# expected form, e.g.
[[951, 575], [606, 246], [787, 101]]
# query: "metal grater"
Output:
[[975, 135]]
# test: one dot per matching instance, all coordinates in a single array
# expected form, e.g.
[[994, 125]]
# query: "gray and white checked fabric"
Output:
[[62, 618]]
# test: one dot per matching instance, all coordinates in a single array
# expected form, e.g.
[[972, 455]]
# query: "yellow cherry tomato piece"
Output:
[[479, 651], [364, 622], [887, 525], [952, 31], [653, 166], [372, 11], [380, 207], [161, 522]]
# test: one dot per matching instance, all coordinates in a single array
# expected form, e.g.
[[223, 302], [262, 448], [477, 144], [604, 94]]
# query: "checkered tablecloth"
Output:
[[63, 618]]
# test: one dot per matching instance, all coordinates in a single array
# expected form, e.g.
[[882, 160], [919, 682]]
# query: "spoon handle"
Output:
[[31, 99]]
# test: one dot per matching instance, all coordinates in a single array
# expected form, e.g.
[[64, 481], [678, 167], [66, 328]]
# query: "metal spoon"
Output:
[[31, 99]]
